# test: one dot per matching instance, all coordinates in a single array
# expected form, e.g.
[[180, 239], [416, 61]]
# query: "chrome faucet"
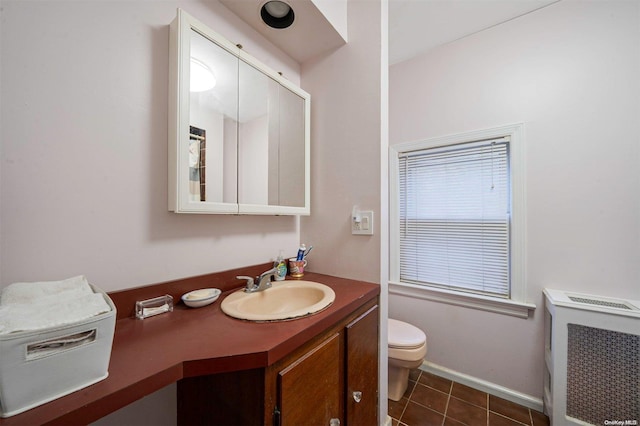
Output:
[[264, 281]]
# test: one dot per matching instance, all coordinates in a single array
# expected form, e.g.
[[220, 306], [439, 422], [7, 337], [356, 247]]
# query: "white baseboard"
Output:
[[483, 385]]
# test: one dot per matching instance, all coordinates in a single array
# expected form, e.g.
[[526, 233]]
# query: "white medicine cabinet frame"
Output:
[[240, 144]]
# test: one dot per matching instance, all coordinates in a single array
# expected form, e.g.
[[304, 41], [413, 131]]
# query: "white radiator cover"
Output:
[[592, 358]]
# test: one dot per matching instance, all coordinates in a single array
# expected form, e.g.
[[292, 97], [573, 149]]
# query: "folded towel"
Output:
[[31, 306], [46, 291], [43, 314]]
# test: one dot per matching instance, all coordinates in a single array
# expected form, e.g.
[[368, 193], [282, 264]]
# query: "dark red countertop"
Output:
[[150, 354]]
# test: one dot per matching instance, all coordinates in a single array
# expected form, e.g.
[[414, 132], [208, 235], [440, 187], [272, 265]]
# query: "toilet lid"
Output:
[[403, 335]]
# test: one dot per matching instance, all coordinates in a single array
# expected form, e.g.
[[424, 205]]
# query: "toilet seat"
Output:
[[405, 336]]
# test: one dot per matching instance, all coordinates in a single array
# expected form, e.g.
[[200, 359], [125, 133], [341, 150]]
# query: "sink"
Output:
[[284, 300]]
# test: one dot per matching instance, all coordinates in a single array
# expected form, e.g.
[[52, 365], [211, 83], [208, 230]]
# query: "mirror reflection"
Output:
[[271, 130], [243, 124], [213, 122], [253, 130]]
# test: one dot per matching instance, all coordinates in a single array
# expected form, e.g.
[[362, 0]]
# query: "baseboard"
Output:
[[483, 385], [387, 421]]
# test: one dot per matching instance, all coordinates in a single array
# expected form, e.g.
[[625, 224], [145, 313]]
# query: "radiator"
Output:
[[592, 360]]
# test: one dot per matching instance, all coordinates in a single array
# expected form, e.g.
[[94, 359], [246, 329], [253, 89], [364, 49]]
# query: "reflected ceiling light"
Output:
[[277, 14], [202, 77]]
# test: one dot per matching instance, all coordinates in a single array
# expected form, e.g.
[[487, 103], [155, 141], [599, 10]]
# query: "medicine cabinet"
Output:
[[238, 131]]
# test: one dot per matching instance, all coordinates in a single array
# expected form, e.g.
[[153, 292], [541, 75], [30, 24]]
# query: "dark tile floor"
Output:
[[433, 400]]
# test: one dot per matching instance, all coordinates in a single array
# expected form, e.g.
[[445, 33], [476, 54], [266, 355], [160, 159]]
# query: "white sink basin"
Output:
[[284, 300]]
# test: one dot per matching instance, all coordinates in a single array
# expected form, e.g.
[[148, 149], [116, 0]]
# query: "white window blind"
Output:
[[454, 217]]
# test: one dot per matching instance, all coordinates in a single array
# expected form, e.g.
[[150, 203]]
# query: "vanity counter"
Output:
[[150, 354]]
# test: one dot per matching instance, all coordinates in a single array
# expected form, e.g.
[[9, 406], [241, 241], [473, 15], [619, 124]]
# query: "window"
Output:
[[457, 220], [454, 217]]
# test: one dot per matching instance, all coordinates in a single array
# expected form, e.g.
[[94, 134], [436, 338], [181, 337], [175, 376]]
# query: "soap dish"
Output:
[[202, 297]]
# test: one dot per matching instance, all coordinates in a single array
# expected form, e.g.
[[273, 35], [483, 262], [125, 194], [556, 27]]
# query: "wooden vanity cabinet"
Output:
[[331, 380], [309, 389], [361, 387]]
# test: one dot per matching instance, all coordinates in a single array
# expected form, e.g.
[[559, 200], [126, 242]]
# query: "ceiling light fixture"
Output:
[[202, 77], [277, 14]]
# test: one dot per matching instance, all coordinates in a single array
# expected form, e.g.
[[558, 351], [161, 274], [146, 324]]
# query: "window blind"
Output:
[[455, 216]]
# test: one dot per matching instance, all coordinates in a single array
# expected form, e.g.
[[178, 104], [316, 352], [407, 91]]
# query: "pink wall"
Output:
[[84, 148], [570, 73], [345, 148]]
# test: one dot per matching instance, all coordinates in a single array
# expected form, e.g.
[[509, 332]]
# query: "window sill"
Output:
[[474, 301]]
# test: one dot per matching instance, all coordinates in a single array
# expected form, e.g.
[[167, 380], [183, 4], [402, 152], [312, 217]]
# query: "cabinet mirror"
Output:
[[238, 131]]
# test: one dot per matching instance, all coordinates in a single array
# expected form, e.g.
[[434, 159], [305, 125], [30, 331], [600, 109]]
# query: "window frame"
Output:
[[516, 305]]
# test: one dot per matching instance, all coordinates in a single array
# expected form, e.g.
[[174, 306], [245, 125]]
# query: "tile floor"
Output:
[[433, 400]]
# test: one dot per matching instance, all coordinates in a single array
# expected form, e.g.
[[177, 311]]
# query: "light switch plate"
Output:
[[365, 226]]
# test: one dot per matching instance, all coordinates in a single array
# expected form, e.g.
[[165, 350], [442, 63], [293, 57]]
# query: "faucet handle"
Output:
[[249, 280]]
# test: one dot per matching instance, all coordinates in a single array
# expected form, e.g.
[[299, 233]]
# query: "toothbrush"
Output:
[[307, 252]]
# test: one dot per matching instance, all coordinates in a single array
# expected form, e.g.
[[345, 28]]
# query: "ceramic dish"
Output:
[[202, 297]]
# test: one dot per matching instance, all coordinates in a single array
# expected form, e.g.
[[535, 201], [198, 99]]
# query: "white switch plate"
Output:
[[365, 226]]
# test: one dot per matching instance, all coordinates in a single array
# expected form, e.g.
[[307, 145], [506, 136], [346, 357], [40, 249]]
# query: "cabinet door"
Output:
[[310, 389], [362, 369]]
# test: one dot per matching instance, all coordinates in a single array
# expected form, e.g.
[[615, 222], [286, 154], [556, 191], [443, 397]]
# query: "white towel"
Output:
[[32, 292], [43, 315], [41, 305]]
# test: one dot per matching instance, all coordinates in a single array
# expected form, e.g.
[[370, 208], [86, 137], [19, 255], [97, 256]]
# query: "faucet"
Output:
[[264, 281]]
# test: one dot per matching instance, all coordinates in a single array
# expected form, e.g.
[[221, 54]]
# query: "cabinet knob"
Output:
[[334, 422], [357, 396]]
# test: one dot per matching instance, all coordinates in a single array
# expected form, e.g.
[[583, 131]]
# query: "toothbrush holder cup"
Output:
[[296, 267]]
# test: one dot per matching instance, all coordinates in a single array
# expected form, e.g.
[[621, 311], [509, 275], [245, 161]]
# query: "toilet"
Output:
[[407, 349]]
